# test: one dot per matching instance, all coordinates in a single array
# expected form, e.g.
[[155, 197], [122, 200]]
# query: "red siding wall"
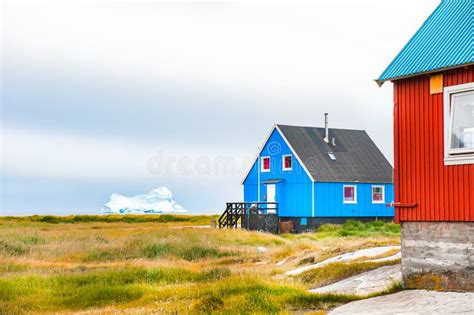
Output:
[[442, 193]]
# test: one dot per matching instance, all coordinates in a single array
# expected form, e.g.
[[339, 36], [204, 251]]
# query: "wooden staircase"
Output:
[[235, 211], [232, 214]]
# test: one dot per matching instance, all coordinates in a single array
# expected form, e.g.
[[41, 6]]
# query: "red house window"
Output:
[[287, 163], [265, 164], [378, 194], [350, 194], [459, 124]]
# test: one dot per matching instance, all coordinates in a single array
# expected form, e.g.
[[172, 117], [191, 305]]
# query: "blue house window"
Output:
[[265, 164], [287, 162], [378, 194], [350, 193]]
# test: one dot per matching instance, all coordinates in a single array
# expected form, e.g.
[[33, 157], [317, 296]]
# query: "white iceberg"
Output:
[[159, 200]]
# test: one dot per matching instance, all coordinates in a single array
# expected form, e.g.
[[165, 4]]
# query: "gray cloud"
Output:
[[189, 80]]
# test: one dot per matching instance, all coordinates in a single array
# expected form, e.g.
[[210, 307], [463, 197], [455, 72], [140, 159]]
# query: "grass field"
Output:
[[168, 264]]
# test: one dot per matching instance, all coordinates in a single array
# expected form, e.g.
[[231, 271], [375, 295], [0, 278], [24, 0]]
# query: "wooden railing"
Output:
[[236, 210]]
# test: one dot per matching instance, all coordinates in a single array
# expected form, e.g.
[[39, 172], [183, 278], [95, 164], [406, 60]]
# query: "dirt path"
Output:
[[412, 302]]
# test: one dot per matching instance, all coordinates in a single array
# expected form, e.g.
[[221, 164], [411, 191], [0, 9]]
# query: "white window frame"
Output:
[[383, 194], [283, 162], [454, 156], [263, 170], [344, 197]]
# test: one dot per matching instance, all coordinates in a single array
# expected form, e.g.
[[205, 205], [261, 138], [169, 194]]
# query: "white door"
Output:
[[271, 194]]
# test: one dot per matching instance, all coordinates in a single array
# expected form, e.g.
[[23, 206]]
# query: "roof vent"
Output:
[[331, 156], [326, 128], [333, 141]]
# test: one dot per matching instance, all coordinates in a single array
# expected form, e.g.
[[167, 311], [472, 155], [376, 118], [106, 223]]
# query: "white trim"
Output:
[[261, 149], [296, 155], [355, 194], [383, 194], [312, 198], [283, 168], [262, 166], [454, 156], [459, 160], [258, 176]]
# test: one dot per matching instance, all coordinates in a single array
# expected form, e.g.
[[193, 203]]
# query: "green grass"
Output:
[[190, 251], [152, 264], [12, 248], [184, 251], [358, 229], [12, 268], [213, 291], [249, 295], [256, 238], [91, 289], [334, 272], [113, 218], [33, 240]]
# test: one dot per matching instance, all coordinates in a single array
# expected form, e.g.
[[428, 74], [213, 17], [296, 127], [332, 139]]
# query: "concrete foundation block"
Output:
[[438, 255]]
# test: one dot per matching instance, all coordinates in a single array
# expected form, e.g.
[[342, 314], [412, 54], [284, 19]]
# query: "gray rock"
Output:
[[412, 302], [366, 283], [347, 257]]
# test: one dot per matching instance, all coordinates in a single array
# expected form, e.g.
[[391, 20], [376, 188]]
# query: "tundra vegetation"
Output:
[[169, 264]]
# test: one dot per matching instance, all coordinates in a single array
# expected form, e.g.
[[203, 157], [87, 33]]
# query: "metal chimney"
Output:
[[326, 128]]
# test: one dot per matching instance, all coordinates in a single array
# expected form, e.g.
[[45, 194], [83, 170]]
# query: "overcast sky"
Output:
[[123, 97]]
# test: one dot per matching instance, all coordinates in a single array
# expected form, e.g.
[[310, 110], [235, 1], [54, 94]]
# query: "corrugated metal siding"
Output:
[[443, 193], [329, 201], [445, 40]]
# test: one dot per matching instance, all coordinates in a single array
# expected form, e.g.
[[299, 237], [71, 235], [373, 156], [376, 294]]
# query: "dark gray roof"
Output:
[[357, 156]]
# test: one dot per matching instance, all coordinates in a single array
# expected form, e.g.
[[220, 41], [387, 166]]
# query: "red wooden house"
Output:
[[433, 79]]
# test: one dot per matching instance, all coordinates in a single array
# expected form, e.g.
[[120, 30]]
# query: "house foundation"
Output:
[[261, 222], [271, 222], [310, 224], [438, 255]]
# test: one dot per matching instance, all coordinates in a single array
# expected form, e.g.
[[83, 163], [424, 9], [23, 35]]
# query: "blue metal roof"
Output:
[[444, 41]]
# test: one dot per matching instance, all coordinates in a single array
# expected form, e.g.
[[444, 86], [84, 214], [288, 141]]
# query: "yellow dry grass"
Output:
[[143, 267]]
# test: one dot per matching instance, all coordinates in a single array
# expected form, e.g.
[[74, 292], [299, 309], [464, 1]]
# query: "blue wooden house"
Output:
[[320, 175]]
